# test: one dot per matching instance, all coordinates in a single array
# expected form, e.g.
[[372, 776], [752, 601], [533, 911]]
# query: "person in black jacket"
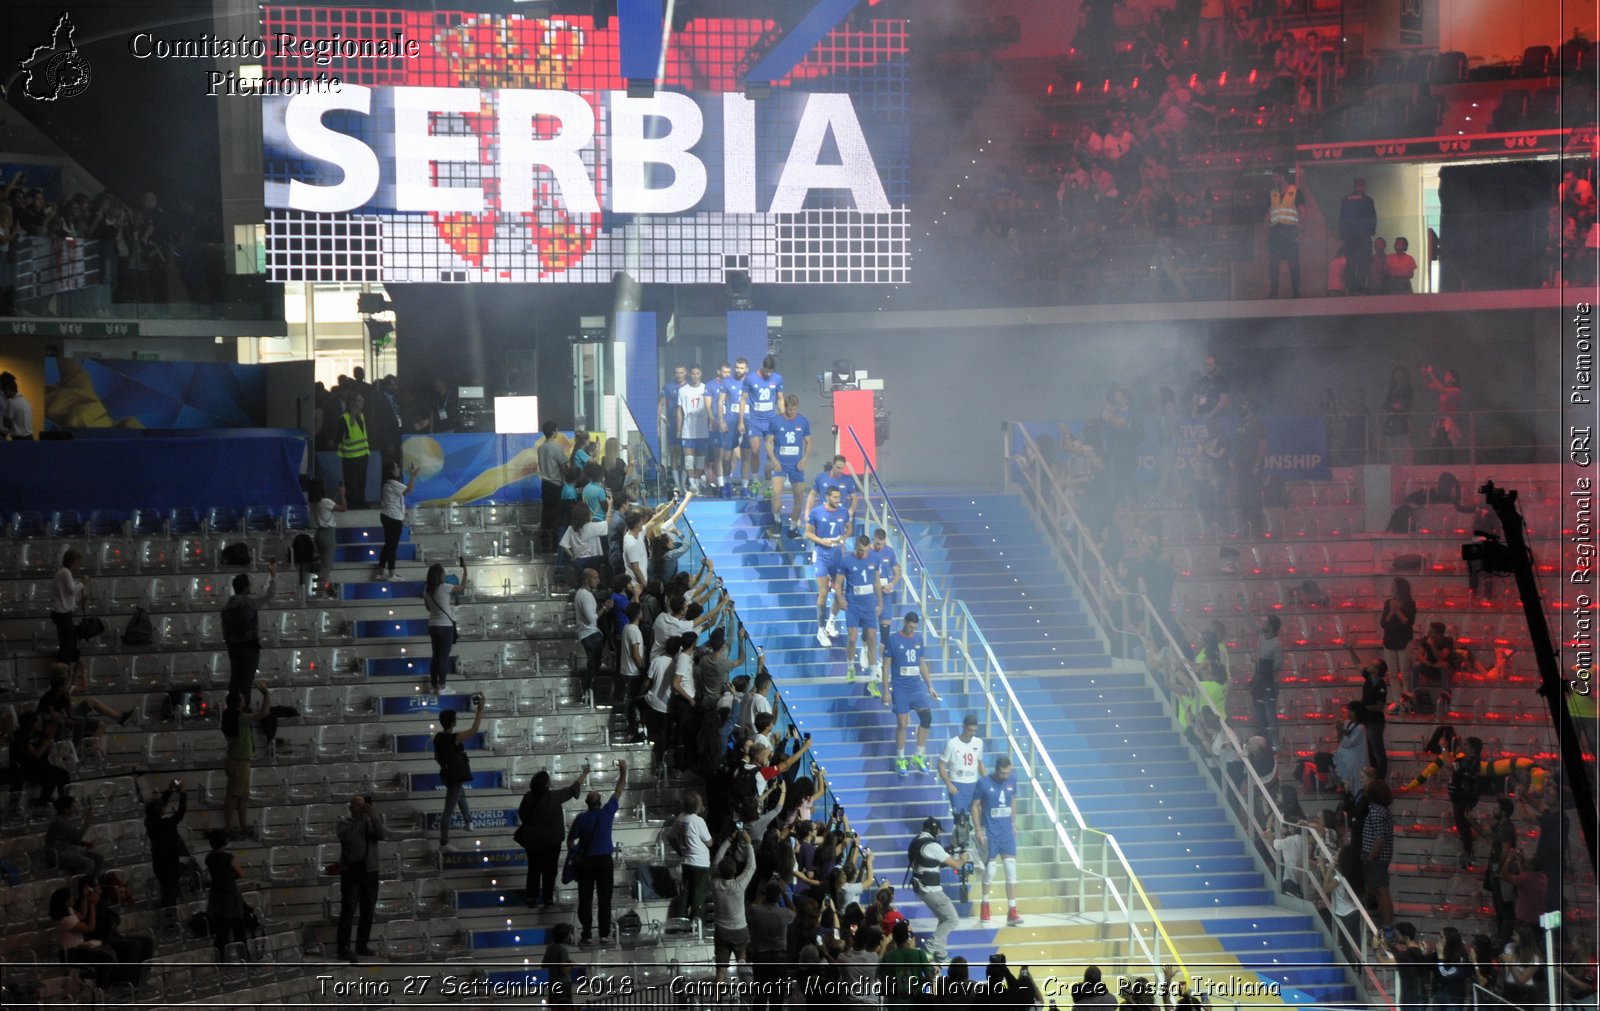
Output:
[[167, 848], [1375, 699], [542, 828]]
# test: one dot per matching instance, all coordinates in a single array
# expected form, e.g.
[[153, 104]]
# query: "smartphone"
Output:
[[462, 559]]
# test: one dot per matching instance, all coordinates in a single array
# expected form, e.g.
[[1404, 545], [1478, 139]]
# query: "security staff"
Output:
[[927, 860], [354, 452]]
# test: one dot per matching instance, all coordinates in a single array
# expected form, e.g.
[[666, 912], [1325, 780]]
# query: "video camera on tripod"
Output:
[[963, 846]]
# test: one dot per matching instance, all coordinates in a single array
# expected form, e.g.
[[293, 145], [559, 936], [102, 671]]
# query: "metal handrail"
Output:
[[957, 627], [1254, 795]]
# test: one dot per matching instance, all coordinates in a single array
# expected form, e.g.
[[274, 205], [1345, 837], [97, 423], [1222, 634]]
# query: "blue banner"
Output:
[[411, 705], [478, 860], [429, 782], [117, 393], [503, 817]]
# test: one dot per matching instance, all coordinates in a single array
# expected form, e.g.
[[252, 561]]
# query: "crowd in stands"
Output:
[[142, 247]]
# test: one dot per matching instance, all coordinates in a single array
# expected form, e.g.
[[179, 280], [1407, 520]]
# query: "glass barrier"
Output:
[[653, 483], [43, 277], [1106, 885], [1135, 629]]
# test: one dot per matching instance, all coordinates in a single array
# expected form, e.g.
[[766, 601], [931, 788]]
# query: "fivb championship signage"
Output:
[[505, 148]]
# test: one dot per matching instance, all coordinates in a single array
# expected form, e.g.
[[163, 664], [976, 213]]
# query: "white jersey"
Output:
[[963, 760], [696, 407]]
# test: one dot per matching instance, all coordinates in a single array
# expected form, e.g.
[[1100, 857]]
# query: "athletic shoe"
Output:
[[874, 690], [983, 912], [902, 767], [920, 763], [861, 658], [1013, 918], [849, 673], [833, 628], [823, 638]]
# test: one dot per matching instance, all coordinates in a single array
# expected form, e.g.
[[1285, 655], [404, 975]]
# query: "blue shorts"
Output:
[[855, 617], [792, 474], [729, 440], [962, 801], [824, 562], [758, 425], [695, 446], [906, 698], [1001, 845]]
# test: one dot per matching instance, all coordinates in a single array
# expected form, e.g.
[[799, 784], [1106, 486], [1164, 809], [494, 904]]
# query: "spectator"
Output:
[[632, 664], [1394, 431], [690, 837], [1415, 968], [905, 972], [241, 630], [1093, 990], [552, 457], [1351, 756], [359, 836], [1337, 267], [588, 613], [1264, 684], [635, 553], [438, 598], [1401, 268], [73, 924], [325, 531], [1342, 883], [734, 872], [1358, 222], [1398, 623], [1453, 971], [64, 844], [1446, 430], [1290, 845], [713, 668], [238, 731], [224, 906], [590, 837], [583, 544], [167, 847], [455, 769], [66, 598], [558, 963], [58, 699], [17, 417], [1527, 885], [768, 923], [1378, 272], [32, 740], [392, 514], [540, 829], [1374, 703], [1433, 659], [353, 450], [665, 670], [387, 423], [1283, 231], [858, 967], [1377, 850], [1523, 968]]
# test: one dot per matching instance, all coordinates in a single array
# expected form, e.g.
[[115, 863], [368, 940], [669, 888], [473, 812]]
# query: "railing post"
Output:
[[1007, 450]]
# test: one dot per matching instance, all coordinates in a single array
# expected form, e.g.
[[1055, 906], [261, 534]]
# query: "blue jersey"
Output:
[[669, 393], [905, 656], [730, 389], [828, 479], [886, 560], [828, 524], [997, 800], [789, 437], [860, 580], [713, 390], [763, 393]]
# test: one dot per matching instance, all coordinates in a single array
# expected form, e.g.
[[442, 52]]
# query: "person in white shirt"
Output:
[[587, 611], [438, 598], [66, 595], [674, 621], [666, 671], [694, 428], [691, 837], [392, 514], [584, 541], [325, 530], [961, 765], [1291, 847], [631, 666], [635, 552], [754, 702]]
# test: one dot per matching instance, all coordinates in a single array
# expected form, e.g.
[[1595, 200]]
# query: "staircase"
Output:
[[1104, 728]]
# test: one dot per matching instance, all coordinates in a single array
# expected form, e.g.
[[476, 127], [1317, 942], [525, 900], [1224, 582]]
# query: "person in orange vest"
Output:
[[1283, 231]]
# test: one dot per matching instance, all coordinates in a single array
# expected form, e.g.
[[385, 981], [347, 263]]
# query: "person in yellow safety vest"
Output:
[[1283, 231], [354, 452]]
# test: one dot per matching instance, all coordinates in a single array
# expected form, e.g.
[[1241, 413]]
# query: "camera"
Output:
[[961, 840], [477, 698], [738, 826]]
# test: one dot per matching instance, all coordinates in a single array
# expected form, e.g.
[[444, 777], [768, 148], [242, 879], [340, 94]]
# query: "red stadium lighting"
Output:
[[1077, 89], [1252, 78], [1050, 89], [1136, 84], [1105, 87]]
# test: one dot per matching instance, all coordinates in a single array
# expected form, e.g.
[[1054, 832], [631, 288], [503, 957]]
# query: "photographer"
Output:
[[455, 770], [727, 893], [927, 858], [167, 848], [359, 836]]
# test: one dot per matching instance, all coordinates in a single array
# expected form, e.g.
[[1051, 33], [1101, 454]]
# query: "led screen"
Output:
[[499, 148]]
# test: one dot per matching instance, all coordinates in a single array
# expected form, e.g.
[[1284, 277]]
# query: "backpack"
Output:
[[237, 553], [139, 631], [454, 766], [1463, 787], [303, 551]]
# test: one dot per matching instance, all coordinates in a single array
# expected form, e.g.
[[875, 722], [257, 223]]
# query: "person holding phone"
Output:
[[733, 874], [455, 770], [439, 598], [591, 835]]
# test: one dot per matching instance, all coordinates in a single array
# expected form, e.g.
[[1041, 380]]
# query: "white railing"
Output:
[[1126, 617], [1096, 855]]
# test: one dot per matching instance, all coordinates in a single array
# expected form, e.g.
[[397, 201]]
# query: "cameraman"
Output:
[[927, 858]]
